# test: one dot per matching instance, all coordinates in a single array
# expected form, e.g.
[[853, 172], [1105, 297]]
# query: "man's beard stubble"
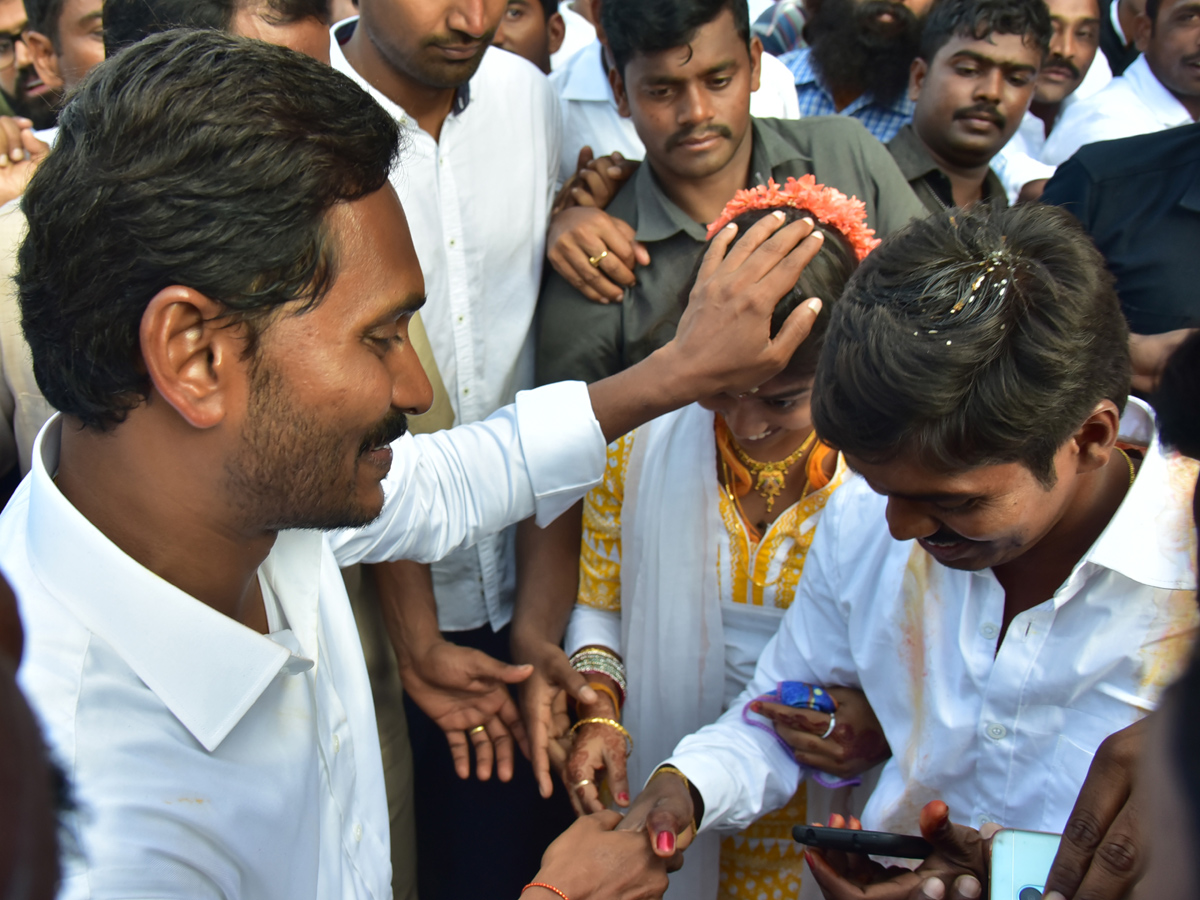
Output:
[[854, 51], [291, 472]]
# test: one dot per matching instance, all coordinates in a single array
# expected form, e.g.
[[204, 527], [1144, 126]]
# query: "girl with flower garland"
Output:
[[693, 546]]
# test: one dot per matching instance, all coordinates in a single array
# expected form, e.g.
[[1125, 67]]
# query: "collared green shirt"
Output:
[[929, 182], [587, 341]]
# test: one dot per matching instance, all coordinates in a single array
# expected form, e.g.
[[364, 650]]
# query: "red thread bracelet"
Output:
[[548, 887]]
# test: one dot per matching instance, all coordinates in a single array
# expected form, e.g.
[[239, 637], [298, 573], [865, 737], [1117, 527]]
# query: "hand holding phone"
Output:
[[875, 843], [1021, 862]]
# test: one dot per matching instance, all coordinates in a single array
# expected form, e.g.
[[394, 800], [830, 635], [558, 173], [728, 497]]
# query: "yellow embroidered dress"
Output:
[[756, 578]]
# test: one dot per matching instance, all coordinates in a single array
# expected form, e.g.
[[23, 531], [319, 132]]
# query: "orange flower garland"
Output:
[[830, 206]]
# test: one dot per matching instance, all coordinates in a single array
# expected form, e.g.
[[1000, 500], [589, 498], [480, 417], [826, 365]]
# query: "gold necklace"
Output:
[[1129, 460], [770, 478]]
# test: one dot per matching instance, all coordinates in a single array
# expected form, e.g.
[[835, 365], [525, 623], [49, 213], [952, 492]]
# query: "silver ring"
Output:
[[832, 725]]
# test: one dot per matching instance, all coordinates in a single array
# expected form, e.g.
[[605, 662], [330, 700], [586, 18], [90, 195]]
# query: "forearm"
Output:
[[547, 581], [657, 385], [409, 608]]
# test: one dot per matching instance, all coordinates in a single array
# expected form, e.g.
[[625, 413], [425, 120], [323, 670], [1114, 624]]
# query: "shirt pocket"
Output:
[[1067, 774]]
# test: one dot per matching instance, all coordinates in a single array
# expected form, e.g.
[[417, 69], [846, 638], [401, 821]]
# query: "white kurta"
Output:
[[210, 761]]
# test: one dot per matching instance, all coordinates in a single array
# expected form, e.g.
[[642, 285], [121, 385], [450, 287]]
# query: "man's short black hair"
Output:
[[168, 170], [1177, 400], [650, 26], [42, 16], [976, 19], [129, 21], [549, 8], [971, 339]]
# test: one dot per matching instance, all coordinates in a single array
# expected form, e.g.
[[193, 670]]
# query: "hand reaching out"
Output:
[[544, 698], [598, 752], [592, 861], [856, 743]]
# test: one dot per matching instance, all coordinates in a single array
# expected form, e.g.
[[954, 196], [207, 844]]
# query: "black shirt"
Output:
[[1139, 198], [930, 184]]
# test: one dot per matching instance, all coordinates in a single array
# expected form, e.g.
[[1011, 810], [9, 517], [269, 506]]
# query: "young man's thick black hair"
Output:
[[129, 21], [168, 170], [650, 26], [971, 339], [977, 19], [1177, 400], [42, 16]]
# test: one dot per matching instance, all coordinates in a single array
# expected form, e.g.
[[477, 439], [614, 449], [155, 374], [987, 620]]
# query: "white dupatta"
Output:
[[671, 628]]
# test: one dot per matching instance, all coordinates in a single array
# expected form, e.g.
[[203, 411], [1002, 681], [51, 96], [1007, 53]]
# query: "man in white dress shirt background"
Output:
[[1159, 90], [533, 29], [1008, 584]]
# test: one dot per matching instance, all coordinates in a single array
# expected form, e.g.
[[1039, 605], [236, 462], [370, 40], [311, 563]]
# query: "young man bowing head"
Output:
[[1011, 578], [216, 289]]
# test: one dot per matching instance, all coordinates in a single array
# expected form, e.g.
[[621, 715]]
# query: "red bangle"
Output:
[[548, 887]]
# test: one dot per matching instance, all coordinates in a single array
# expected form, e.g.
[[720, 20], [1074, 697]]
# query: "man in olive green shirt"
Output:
[[691, 107]]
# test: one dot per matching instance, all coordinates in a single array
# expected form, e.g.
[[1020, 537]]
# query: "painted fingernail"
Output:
[[969, 886], [622, 797], [665, 842], [933, 889]]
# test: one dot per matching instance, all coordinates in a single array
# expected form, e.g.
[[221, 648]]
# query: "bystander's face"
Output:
[[438, 43], [525, 31], [309, 36], [1171, 44], [972, 95], [12, 23], [981, 517], [80, 46], [691, 105], [770, 423], [329, 388], [1073, 46]]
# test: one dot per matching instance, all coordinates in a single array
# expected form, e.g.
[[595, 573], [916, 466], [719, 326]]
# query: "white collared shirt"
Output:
[[1133, 103], [478, 201], [1020, 160], [1002, 731], [210, 761], [589, 109], [578, 33]]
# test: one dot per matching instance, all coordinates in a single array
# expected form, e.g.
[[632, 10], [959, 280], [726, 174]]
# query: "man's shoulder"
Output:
[[814, 133], [1140, 155]]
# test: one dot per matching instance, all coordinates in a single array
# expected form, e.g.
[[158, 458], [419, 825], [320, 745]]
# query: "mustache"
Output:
[[983, 111], [944, 536], [393, 426], [458, 39], [1061, 62], [688, 133]]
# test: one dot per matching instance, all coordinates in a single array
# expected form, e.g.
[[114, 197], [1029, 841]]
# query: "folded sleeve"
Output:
[[742, 771], [447, 490]]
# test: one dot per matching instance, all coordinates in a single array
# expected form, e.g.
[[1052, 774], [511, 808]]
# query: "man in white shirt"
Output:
[[1160, 90], [1005, 582], [1072, 72], [226, 338], [591, 117], [533, 29], [482, 132]]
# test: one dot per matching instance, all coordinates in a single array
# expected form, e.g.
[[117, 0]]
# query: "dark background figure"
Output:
[[1118, 46]]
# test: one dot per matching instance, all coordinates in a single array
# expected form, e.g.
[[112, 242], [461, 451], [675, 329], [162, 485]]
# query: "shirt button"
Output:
[[989, 630], [337, 744], [996, 731], [466, 391], [451, 242], [357, 833]]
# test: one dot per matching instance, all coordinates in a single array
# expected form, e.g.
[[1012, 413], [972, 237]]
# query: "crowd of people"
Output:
[[551, 448]]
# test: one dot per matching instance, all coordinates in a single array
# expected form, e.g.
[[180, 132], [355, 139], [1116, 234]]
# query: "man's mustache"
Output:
[[1061, 62], [691, 133], [944, 537], [390, 429], [983, 111]]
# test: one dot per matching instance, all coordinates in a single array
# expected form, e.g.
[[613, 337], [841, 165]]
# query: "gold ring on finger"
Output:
[[594, 261], [477, 729], [577, 785]]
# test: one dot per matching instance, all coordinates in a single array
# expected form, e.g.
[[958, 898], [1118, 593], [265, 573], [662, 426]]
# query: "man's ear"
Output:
[[756, 52], [1143, 30], [618, 89], [44, 58], [1096, 439], [916, 78], [556, 30], [192, 355]]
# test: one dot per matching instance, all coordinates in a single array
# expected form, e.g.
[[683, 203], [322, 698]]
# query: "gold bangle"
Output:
[[599, 720], [598, 686], [686, 784]]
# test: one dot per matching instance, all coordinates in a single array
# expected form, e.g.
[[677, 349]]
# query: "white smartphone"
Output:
[[1021, 862]]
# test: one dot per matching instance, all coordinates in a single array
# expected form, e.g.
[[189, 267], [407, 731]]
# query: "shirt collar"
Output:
[[337, 59], [1151, 538], [915, 161], [585, 77], [207, 669], [658, 218], [1161, 103]]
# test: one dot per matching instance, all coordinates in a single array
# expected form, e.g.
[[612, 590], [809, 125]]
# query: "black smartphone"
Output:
[[878, 843]]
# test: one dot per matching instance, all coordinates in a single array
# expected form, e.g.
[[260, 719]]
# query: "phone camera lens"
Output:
[[1029, 893]]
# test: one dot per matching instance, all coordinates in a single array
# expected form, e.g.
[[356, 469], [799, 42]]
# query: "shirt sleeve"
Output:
[[1071, 188], [447, 490], [742, 771]]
